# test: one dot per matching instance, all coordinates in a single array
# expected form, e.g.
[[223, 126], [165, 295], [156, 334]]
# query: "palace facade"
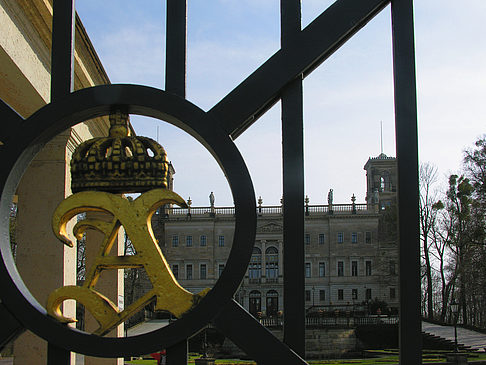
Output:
[[351, 250]]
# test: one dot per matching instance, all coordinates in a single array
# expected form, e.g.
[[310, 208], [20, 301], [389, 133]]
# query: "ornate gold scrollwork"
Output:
[[135, 217]]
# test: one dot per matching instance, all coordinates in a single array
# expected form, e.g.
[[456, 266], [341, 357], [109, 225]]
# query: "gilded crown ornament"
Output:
[[119, 163], [102, 170]]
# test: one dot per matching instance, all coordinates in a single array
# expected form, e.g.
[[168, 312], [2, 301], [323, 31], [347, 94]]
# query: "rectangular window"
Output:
[[392, 293], [322, 295], [189, 272], [368, 294], [340, 268], [220, 269], [354, 237], [322, 269], [322, 238], [307, 239], [189, 241], [203, 241], [393, 270], [340, 237], [307, 270], [221, 241], [175, 241], [368, 237], [354, 268], [202, 271], [354, 294], [175, 270], [307, 295], [368, 268], [340, 294]]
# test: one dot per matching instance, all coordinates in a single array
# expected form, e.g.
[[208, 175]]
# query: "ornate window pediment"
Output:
[[270, 227]]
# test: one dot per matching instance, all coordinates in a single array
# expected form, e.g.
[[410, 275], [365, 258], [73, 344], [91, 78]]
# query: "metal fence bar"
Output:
[[408, 190], [62, 84], [175, 61], [10, 328], [10, 122], [293, 189], [175, 82], [177, 354], [57, 355], [62, 62]]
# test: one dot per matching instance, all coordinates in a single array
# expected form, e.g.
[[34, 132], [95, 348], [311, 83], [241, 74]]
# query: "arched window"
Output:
[[271, 262], [388, 181], [272, 303], [255, 267], [382, 183], [255, 302]]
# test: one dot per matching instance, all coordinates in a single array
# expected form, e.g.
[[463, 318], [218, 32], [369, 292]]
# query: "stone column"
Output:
[[44, 263]]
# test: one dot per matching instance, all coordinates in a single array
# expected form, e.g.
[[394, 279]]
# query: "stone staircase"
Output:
[[442, 337], [434, 342]]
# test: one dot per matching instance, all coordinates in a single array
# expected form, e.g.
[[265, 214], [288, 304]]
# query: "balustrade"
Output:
[[271, 210], [334, 321]]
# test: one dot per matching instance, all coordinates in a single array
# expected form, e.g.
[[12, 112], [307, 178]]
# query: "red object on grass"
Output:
[[158, 356]]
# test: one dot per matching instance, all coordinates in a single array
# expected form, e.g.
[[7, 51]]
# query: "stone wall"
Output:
[[319, 344], [330, 343]]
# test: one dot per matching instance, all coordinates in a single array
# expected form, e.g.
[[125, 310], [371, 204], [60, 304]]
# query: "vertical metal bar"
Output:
[[175, 82], [10, 122], [177, 354], [293, 190], [57, 356], [10, 327], [176, 33], [408, 190], [62, 60], [62, 83]]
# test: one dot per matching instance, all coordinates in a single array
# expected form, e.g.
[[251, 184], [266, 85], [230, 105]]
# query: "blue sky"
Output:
[[344, 99]]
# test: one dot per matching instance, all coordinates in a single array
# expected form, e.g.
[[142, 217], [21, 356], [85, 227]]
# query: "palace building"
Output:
[[351, 250]]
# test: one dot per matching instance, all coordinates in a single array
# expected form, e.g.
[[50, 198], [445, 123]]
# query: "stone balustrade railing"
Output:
[[271, 210]]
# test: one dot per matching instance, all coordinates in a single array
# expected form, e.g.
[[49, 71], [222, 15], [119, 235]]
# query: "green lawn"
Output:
[[386, 357]]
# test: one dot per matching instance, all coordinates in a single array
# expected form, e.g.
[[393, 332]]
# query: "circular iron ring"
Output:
[[89, 103]]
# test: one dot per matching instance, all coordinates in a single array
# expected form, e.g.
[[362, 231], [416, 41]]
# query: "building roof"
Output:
[[380, 157]]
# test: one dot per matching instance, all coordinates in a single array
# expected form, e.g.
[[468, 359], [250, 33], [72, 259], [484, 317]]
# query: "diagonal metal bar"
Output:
[[293, 189], [258, 342], [408, 187], [10, 122], [314, 44], [10, 327], [62, 63]]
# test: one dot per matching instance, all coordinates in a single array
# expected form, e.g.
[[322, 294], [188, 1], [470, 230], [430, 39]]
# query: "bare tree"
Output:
[[445, 266], [428, 218]]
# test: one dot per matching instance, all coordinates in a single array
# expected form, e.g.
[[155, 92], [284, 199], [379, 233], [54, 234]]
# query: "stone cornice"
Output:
[[74, 140], [34, 20]]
